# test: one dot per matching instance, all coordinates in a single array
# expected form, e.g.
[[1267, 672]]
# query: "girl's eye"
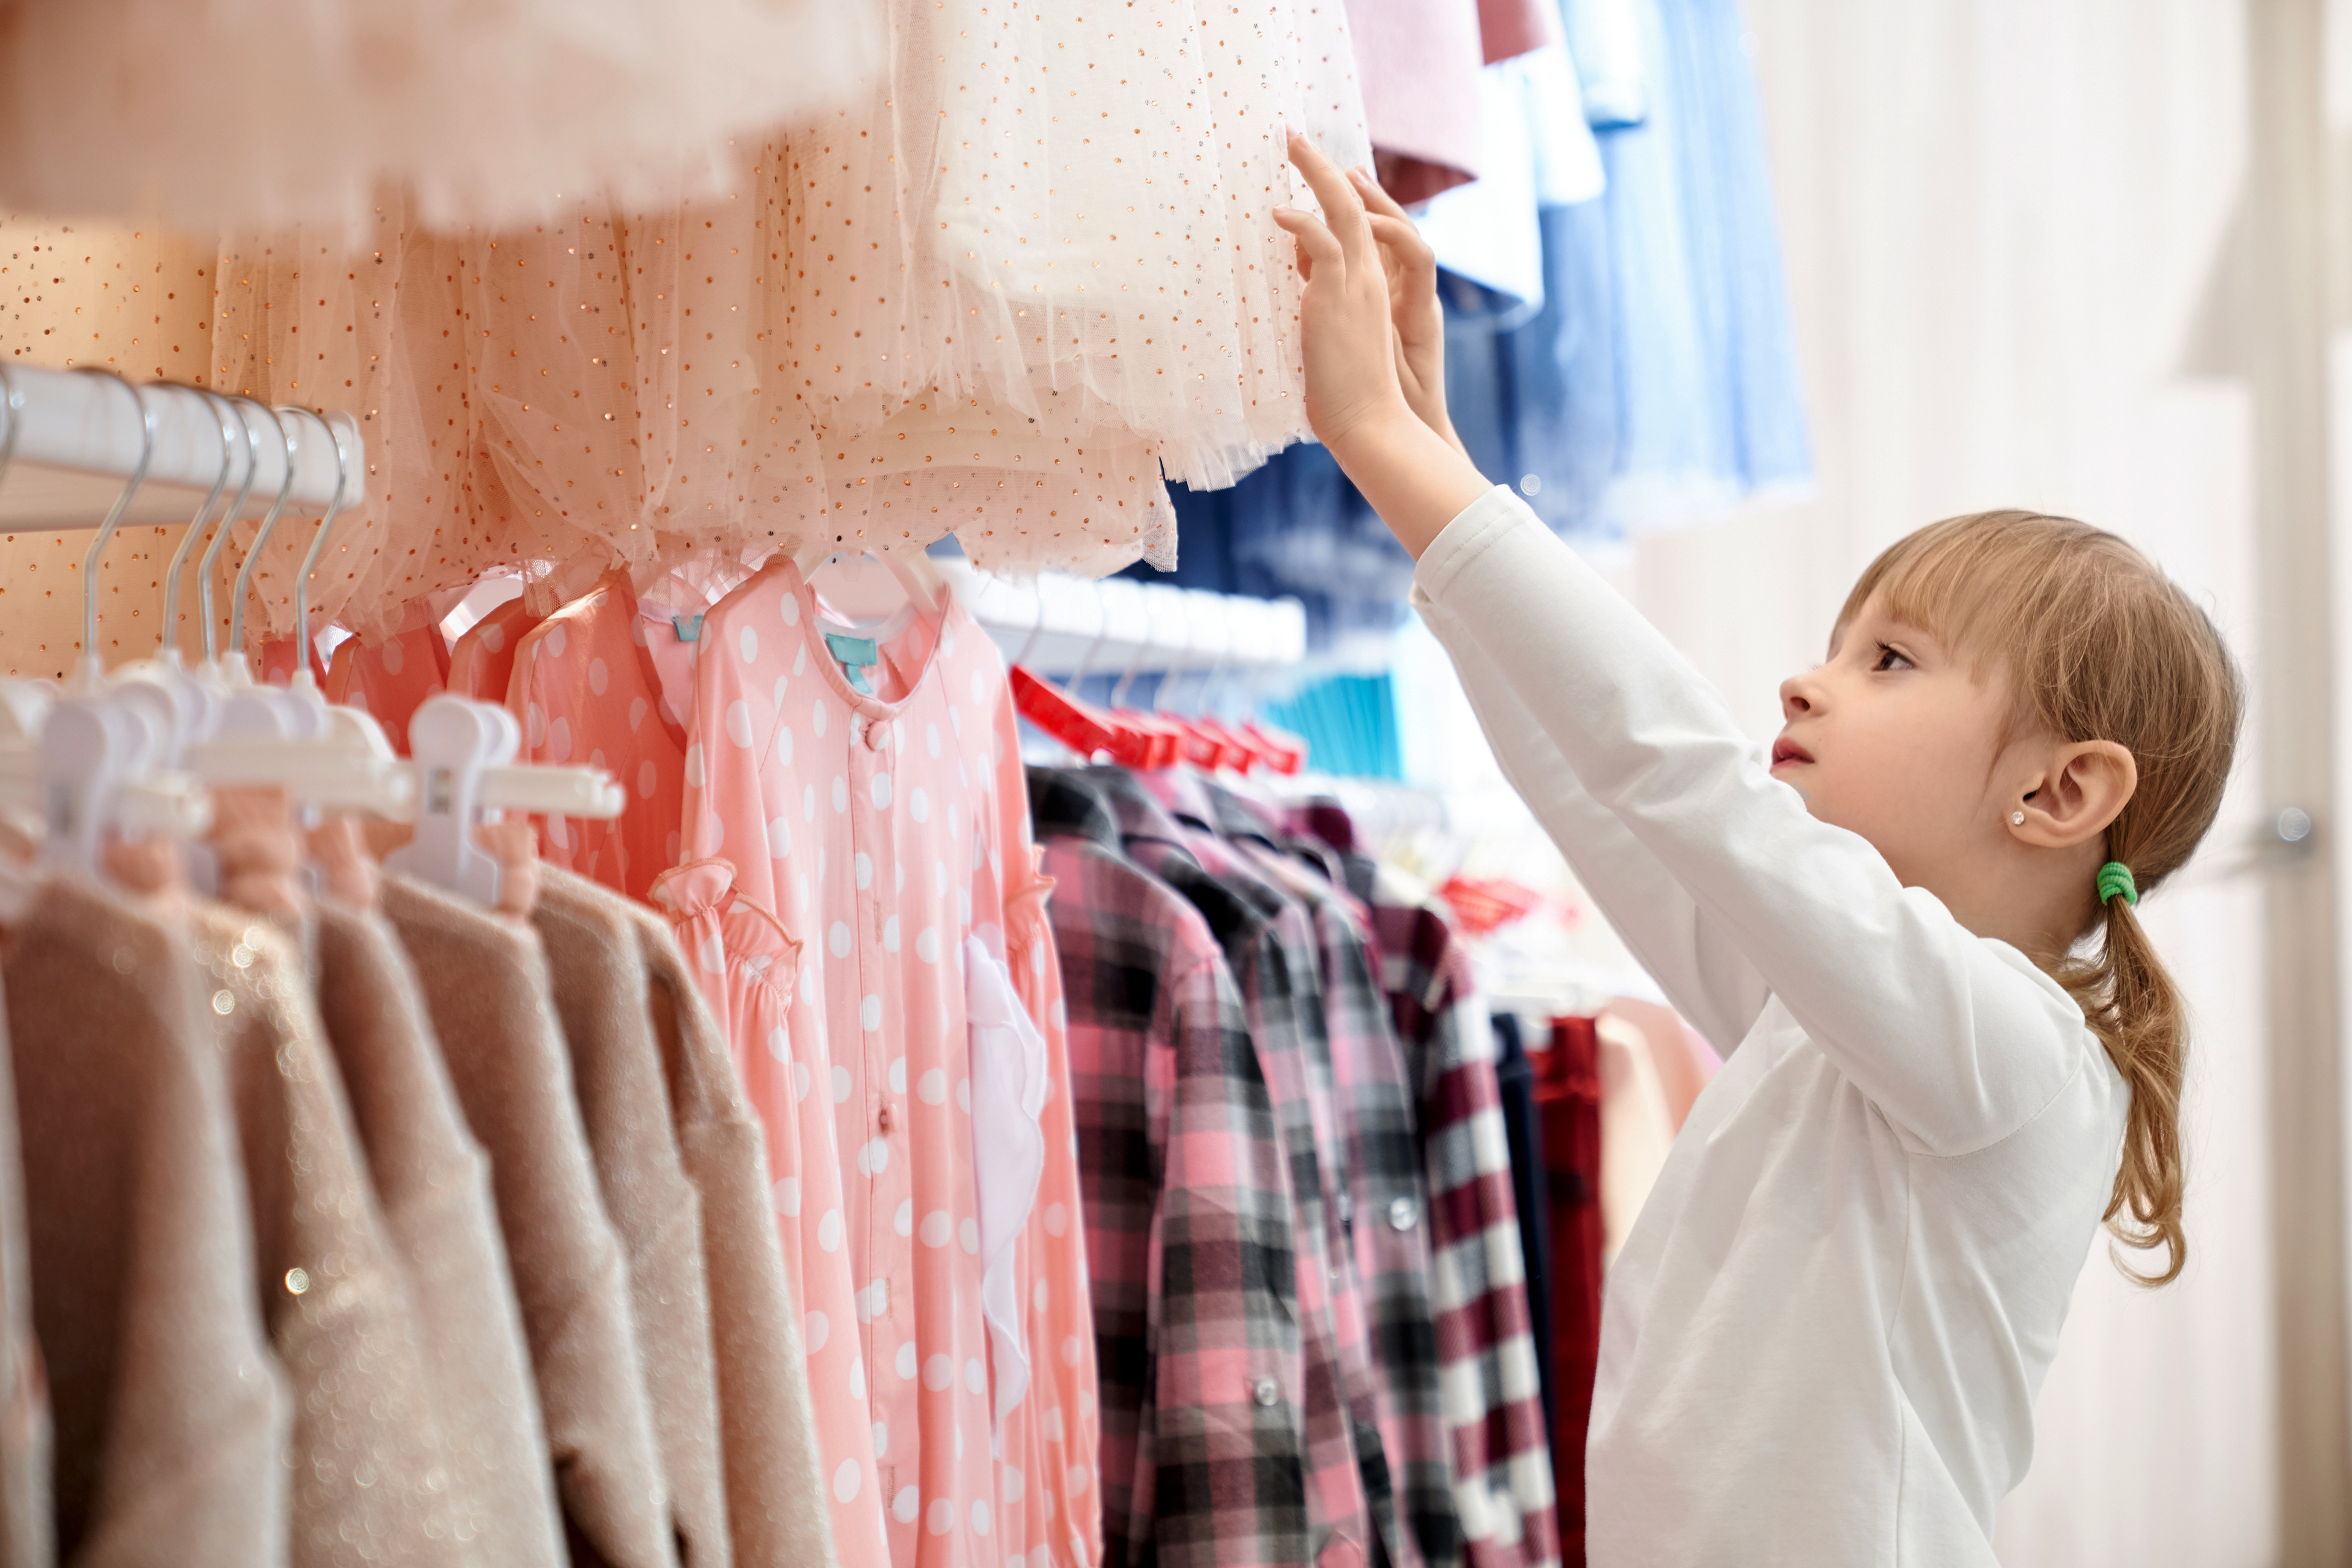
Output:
[[1891, 659]]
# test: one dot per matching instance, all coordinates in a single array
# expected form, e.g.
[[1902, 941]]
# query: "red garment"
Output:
[[1568, 1098]]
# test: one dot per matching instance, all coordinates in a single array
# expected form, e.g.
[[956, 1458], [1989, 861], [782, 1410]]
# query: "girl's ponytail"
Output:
[[2130, 1001]]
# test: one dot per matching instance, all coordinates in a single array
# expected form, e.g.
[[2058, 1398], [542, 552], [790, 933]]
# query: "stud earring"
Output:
[[2017, 819]]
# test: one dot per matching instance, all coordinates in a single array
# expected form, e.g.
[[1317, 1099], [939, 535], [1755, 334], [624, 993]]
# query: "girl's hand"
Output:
[[1413, 311], [1351, 343], [1414, 475]]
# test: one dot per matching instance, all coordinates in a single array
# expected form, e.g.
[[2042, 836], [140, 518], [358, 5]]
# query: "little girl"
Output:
[[1958, 1052]]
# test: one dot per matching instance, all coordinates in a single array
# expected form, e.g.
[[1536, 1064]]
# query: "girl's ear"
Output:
[[2086, 788]]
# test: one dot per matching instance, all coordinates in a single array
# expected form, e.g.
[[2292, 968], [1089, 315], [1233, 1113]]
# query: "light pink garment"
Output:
[[1686, 1063], [585, 691], [482, 662], [1419, 61], [884, 829]]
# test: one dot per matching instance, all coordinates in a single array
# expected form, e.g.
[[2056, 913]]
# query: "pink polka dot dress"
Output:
[[878, 807], [587, 692]]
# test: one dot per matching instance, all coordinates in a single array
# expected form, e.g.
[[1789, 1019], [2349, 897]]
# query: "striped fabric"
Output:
[[1190, 1223], [1385, 1206], [1486, 1336]]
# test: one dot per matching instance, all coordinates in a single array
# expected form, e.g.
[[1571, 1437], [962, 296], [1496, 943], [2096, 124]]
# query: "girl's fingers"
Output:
[[1317, 245], [1399, 236], [1343, 210], [1376, 201]]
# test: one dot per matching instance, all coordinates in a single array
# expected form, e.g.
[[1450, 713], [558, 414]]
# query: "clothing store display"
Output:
[[114, 110], [601, 991], [768, 1435], [172, 1416], [827, 1071], [486, 983], [433, 1182], [1963, 1076]]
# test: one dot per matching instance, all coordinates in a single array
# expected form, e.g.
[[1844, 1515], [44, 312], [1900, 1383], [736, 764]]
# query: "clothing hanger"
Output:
[[235, 663], [194, 702], [102, 758], [237, 509], [321, 754], [464, 772], [917, 573]]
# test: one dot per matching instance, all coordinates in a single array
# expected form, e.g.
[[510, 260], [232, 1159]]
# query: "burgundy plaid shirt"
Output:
[[1486, 1333]]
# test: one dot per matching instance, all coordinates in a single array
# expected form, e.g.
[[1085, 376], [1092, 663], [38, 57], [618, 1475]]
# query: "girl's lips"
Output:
[[1787, 750]]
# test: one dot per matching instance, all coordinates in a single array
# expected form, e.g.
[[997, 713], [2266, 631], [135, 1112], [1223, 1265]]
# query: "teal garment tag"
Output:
[[854, 654], [687, 627]]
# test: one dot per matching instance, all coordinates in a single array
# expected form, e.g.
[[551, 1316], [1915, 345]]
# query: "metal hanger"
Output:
[[226, 412], [261, 542], [93, 664], [228, 524]]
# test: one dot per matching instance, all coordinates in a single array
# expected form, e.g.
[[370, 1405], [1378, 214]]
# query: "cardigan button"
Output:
[[1403, 1214], [1268, 1393]]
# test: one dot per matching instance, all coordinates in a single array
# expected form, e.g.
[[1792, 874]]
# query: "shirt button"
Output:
[[1267, 1392], [1403, 1214], [875, 736], [884, 1119], [1347, 1208]]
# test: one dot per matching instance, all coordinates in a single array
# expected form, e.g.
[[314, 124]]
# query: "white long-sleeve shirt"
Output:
[[1822, 1340]]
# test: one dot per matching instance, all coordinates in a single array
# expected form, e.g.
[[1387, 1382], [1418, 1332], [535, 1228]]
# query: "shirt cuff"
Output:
[[1478, 525]]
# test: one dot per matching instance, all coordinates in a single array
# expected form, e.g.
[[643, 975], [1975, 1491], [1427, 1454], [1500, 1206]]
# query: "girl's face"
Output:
[[1894, 738]]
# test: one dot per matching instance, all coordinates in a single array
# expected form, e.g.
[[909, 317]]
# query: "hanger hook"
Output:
[[319, 539], [204, 516], [90, 659], [12, 418], [253, 556], [237, 406], [1142, 648], [1087, 659]]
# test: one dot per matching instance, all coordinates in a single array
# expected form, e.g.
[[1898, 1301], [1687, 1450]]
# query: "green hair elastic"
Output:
[[2115, 877]]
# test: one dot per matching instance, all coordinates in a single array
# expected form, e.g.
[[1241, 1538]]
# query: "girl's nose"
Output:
[[1798, 696]]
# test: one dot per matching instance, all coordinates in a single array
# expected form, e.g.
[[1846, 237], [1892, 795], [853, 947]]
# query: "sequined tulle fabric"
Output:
[[494, 110], [1029, 267]]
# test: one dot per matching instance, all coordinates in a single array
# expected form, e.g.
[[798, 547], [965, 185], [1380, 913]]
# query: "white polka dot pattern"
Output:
[[876, 1028]]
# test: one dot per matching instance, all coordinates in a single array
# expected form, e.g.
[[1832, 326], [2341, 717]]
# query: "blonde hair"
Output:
[[2098, 645]]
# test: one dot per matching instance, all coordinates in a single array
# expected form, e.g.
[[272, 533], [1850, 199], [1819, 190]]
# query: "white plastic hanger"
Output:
[[465, 773], [917, 573]]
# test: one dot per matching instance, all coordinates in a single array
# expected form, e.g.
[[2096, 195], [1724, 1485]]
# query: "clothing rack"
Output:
[[1055, 623], [77, 437]]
